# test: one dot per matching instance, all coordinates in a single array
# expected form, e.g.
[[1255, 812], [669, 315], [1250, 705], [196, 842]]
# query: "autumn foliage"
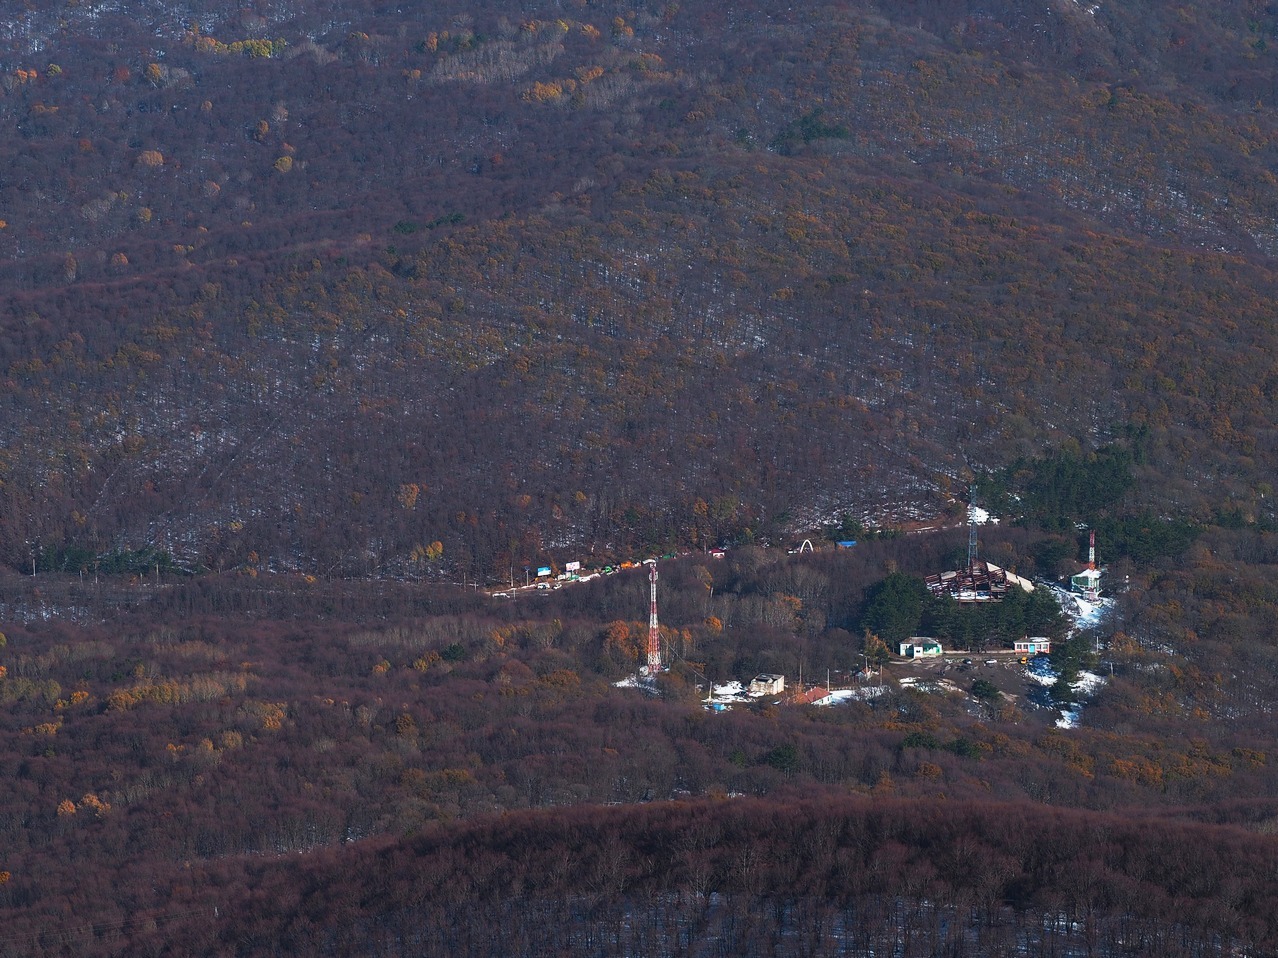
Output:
[[314, 316], [624, 266]]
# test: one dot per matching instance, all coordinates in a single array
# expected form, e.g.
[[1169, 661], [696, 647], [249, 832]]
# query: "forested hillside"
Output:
[[251, 766], [316, 288], [319, 320]]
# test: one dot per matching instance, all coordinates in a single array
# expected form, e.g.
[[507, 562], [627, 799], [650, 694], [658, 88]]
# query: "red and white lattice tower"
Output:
[[1091, 551], [654, 634]]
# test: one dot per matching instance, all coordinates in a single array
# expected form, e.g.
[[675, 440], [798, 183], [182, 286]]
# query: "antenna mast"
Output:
[[654, 634]]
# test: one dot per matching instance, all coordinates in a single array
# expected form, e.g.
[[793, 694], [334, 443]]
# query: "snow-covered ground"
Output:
[[842, 696], [730, 690], [929, 684], [1040, 670], [1085, 688], [1087, 685], [1083, 613], [979, 516], [731, 693]]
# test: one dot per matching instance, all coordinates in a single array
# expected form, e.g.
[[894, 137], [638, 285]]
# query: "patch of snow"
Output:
[[932, 686], [841, 696], [1070, 717], [1040, 670], [980, 517], [1089, 683], [1082, 612]]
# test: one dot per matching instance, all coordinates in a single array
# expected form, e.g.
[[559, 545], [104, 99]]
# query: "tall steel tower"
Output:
[[654, 634], [971, 526]]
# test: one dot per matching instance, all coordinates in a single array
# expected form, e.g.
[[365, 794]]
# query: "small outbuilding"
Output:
[[808, 696], [767, 684], [1034, 645], [920, 648], [1086, 583]]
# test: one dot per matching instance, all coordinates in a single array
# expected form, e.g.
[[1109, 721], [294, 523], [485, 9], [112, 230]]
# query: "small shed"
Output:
[[808, 696], [1086, 583], [767, 684], [1033, 645], [919, 648]]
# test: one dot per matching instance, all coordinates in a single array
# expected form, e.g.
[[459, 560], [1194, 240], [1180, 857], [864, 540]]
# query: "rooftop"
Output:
[[979, 582]]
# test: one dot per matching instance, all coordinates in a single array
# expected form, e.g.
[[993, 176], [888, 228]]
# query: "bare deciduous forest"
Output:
[[319, 321]]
